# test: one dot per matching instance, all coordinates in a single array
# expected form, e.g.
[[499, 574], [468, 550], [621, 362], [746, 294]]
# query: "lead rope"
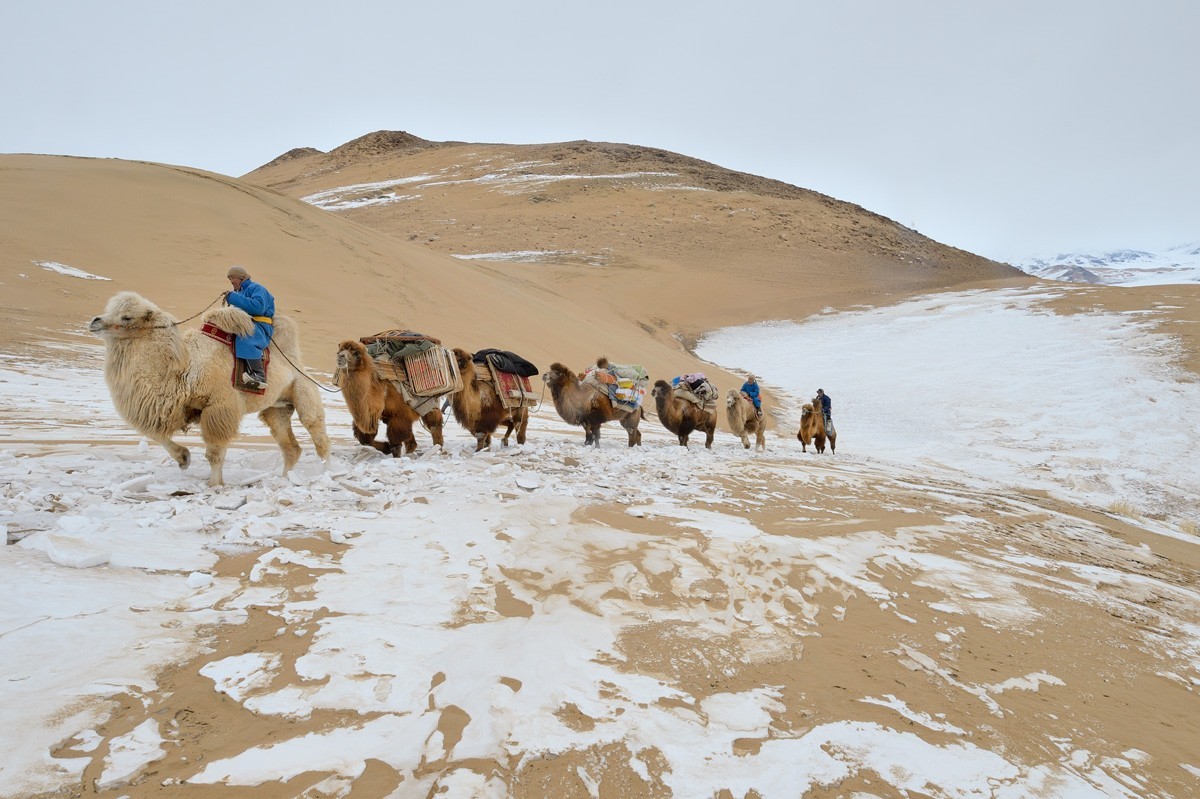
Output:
[[300, 371]]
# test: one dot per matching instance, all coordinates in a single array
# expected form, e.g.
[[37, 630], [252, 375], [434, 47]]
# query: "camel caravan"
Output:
[[163, 381]]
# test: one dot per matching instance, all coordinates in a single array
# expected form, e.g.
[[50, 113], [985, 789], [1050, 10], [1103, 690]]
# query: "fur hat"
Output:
[[238, 271]]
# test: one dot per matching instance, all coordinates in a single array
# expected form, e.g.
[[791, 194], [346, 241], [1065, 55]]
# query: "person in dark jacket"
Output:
[[750, 389], [254, 299], [826, 407]]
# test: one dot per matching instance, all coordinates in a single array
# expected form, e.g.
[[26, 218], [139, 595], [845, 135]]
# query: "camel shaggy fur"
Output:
[[163, 381], [681, 417], [812, 428], [478, 408], [373, 400], [582, 405], [743, 420]]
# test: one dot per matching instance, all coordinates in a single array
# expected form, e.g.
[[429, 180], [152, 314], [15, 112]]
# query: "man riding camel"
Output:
[[826, 408], [750, 389], [255, 300]]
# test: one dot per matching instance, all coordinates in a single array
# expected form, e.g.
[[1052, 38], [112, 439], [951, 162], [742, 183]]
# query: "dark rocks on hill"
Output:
[[292, 155], [378, 143]]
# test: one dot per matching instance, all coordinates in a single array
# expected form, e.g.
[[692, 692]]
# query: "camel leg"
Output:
[[367, 439], [401, 440], [215, 455], [218, 426], [433, 423], [307, 400], [279, 422], [179, 453], [522, 424], [509, 424], [630, 423], [708, 435], [482, 441], [760, 440], [832, 444]]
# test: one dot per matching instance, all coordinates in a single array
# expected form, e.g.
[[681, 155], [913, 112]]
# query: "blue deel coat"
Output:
[[256, 301], [751, 391]]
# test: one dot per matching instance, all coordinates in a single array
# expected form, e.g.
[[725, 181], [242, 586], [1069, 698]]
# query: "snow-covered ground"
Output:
[[990, 384], [487, 572]]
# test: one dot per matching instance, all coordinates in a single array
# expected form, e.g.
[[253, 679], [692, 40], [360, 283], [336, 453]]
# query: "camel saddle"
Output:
[[514, 390], [624, 385], [239, 365], [696, 389]]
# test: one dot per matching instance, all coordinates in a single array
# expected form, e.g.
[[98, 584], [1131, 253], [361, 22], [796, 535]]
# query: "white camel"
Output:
[[163, 381]]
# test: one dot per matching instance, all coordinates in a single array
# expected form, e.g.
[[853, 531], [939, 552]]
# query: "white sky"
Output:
[[1005, 128], [111, 576]]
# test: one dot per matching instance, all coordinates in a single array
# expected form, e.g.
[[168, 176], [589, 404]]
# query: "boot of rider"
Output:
[[254, 376]]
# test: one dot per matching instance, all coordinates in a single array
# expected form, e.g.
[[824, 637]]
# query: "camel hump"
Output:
[[231, 320]]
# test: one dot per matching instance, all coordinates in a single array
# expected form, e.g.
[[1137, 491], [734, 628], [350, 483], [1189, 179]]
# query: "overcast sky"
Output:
[[1006, 128]]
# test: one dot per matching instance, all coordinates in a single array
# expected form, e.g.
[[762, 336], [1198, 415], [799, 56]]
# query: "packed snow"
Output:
[[479, 569]]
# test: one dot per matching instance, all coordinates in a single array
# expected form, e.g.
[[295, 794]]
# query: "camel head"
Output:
[[661, 389], [129, 315], [557, 375], [464, 360], [352, 356], [732, 398]]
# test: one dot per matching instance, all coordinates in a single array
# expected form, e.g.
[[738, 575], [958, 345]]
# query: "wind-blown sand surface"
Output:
[[551, 620], [989, 591]]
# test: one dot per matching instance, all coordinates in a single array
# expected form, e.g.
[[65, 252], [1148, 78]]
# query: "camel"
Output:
[[743, 420], [163, 381], [582, 405], [373, 400], [478, 408], [681, 417], [812, 428]]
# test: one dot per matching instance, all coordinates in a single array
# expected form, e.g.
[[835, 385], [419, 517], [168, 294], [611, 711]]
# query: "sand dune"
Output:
[[548, 620]]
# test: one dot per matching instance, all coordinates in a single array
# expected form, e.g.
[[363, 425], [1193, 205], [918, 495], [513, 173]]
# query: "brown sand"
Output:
[[677, 264]]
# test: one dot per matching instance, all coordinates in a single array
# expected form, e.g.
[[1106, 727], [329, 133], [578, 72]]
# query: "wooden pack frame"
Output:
[[521, 394], [431, 373]]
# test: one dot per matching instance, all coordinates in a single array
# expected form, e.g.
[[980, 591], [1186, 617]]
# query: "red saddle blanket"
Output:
[[514, 390], [235, 376]]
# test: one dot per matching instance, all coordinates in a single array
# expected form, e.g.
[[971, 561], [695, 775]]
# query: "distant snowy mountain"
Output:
[[1180, 264]]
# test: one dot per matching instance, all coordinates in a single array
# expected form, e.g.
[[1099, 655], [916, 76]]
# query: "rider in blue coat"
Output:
[[255, 300], [750, 389]]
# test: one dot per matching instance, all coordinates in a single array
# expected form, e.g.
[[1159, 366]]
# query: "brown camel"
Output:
[[743, 420], [681, 416], [373, 400], [583, 405], [812, 428], [478, 408]]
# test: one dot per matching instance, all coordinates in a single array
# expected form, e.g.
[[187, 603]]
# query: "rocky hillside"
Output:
[[591, 213]]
